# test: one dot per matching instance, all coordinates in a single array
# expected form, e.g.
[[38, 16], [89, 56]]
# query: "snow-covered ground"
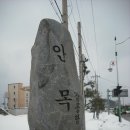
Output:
[[105, 122]]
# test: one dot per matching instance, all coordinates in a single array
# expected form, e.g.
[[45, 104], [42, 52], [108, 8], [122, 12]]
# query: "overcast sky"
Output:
[[19, 24]]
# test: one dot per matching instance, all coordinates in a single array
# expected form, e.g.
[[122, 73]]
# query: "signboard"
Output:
[[124, 93]]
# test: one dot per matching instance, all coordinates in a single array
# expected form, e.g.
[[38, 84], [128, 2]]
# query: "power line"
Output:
[[84, 41], [61, 20], [58, 8], [123, 41], [88, 54], [71, 8], [93, 21], [95, 36], [112, 82], [78, 10], [84, 36], [75, 37], [73, 28], [55, 10], [72, 13]]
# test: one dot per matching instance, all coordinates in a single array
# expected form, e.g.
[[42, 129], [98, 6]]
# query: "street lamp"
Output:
[[110, 66], [117, 74]]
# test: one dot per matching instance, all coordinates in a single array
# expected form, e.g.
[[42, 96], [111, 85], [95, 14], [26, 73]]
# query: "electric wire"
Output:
[[84, 36], [71, 8], [78, 10], [84, 41], [123, 41], [112, 82], [55, 10], [75, 37], [73, 29], [76, 52], [72, 13], [81, 37], [88, 54], [95, 35], [58, 8]]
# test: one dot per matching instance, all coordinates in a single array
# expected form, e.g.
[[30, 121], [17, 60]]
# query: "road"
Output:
[[126, 116]]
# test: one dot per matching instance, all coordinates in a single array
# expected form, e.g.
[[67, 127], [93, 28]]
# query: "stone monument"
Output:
[[56, 102]]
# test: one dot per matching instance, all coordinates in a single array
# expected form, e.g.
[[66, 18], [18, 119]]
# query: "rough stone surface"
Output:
[[56, 102]]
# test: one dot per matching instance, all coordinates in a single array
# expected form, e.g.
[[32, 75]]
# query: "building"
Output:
[[18, 98], [26, 90]]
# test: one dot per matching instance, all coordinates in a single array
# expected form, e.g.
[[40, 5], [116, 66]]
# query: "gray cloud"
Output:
[[19, 24]]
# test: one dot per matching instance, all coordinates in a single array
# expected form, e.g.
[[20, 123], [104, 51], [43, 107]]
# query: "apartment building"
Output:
[[18, 98], [26, 90]]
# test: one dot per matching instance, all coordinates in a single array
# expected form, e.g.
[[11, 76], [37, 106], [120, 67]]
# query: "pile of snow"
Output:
[[105, 122]]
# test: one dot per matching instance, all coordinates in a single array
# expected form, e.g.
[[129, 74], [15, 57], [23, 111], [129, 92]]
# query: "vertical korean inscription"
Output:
[[58, 49], [77, 109], [64, 99]]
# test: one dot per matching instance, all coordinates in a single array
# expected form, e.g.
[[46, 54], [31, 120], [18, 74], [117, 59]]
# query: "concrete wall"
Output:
[[18, 111]]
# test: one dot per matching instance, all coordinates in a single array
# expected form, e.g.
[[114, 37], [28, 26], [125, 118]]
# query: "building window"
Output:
[[14, 106], [14, 93], [14, 86]]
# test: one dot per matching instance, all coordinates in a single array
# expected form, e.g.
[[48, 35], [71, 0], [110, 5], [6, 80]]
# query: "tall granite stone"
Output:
[[56, 102]]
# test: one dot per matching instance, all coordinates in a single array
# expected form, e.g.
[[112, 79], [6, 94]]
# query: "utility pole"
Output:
[[96, 95], [80, 58], [119, 102], [117, 91], [108, 101], [96, 81], [65, 13], [81, 66]]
